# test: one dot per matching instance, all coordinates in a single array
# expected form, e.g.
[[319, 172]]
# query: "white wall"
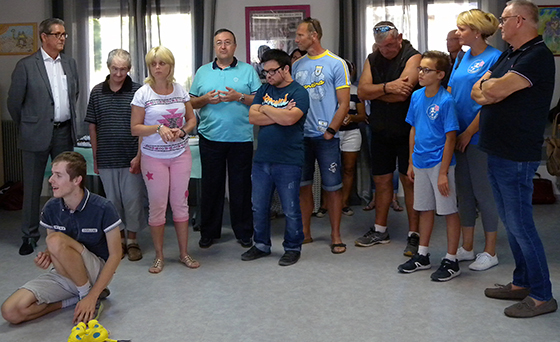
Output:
[[21, 11], [231, 15]]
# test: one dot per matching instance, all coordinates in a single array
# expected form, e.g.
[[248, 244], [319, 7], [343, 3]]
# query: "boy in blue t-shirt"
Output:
[[432, 164]]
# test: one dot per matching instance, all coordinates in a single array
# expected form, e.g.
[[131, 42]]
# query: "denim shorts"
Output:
[[327, 154]]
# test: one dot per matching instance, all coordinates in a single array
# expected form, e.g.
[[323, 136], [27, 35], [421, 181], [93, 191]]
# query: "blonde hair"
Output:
[[485, 23], [165, 55]]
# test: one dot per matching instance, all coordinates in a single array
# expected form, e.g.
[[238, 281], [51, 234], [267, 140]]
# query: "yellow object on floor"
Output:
[[93, 332]]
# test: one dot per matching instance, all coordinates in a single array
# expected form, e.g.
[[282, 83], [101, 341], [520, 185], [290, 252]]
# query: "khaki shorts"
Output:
[[51, 287]]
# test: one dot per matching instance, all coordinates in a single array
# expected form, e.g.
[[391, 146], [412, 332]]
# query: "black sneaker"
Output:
[[253, 253], [105, 293], [417, 262], [245, 243], [372, 237], [28, 246], [289, 258], [412, 243], [446, 271], [205, 242]]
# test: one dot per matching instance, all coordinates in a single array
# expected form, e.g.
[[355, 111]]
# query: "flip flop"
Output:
[[396, 206], [308, 240], [369, 207], [335, 245]]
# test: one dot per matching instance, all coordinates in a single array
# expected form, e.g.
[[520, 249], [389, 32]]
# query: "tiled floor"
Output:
[[355, 296]]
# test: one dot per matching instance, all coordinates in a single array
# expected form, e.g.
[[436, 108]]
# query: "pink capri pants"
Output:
[[167, 178]]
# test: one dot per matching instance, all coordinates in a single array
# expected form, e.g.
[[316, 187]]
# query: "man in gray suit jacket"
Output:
[[42, 101]]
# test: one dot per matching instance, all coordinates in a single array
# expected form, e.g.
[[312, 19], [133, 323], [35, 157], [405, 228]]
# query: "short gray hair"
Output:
[[45, 25], [121, 54], [381, 36], [529, 8]]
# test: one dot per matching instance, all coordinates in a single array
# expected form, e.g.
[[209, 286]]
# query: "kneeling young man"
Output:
[[279, 108], [83, 245]]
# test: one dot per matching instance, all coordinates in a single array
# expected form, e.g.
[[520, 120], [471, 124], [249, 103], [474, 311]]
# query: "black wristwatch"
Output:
[[331, 130]]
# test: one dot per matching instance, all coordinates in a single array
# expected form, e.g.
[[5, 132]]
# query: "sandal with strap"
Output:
[[338, 245], [190, 262], [157, 266], [396, 205]]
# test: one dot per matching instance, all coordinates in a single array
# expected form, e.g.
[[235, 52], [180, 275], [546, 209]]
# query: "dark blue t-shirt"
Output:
[[513, 128], [276, 143], [88, 224]]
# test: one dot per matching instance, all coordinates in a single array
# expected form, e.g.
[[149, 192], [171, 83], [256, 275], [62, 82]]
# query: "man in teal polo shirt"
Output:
[[223, 91]]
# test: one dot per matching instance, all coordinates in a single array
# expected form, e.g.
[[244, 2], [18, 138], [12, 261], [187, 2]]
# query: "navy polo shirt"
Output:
[[513, 128], [88, 224]]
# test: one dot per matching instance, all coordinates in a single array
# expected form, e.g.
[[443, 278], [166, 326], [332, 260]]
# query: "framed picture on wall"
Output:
[[18, 39], [549, 27], [272, 27]]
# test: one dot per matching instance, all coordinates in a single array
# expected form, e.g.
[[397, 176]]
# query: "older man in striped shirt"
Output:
[[115, 150]]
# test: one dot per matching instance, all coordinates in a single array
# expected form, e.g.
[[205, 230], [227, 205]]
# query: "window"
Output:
[[409, 17], [112, 28]]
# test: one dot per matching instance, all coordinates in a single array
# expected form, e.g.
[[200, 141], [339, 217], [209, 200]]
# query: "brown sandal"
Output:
[[134, 252], [190, 262], [157, 266]]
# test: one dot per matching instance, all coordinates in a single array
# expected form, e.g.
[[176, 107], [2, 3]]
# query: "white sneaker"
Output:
[[463, 254], [484, 261]]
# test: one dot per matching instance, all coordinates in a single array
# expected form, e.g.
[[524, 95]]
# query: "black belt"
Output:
[[61, 124]]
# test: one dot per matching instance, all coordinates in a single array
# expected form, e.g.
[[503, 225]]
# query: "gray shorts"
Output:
[[51, 287], [426, 192]]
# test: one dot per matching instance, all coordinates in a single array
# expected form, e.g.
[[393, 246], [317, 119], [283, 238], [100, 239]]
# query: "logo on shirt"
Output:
[[89, 230], [318, 70], [281, 102], [173, 120], [59, 227], [433, 111], [475, 66]]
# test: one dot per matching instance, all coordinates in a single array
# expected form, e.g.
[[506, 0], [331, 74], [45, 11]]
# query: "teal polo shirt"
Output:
[[225, 121]]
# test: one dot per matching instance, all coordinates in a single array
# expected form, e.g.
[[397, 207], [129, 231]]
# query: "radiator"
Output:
[[13, 165]]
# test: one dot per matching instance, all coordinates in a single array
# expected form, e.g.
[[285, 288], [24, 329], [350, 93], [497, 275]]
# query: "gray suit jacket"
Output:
[[31, 103]]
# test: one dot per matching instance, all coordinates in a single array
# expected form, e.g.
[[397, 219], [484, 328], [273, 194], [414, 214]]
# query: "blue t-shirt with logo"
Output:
[[276, 143], [463, 77], [321, 76], [432, 117]]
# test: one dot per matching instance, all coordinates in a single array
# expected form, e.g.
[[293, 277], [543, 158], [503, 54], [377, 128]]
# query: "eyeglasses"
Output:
[[384, 28], [502, 20], [226, 43], [425, 70], [59, 35], [271, 72], [311, 21]]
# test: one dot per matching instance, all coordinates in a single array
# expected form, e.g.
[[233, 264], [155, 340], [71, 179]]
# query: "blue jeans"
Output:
[[512, 183], [327, 154], [285, 178]]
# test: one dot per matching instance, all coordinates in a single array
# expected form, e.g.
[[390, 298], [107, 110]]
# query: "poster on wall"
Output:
[[549, 27], [272, 27], [18, 39]]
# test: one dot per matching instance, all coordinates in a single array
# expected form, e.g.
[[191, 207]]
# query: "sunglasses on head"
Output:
[[384, 28]]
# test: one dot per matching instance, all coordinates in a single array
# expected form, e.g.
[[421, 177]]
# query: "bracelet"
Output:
[[331, 130], [483, 82], [157, 130], [384, 90], [242, 98], [182, 130]]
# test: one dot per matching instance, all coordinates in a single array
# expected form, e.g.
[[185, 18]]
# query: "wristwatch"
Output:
[[331, 130], [242, 98]]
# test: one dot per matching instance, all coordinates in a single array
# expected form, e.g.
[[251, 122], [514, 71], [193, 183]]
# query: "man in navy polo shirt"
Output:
[[516, 93], [83, 244]]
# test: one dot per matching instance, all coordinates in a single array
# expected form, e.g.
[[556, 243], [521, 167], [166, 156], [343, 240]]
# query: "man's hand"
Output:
[[290, 104], [463, 141], [327, 136], [410, 173], [43, 260], [400, 86], [347, 120], [95, 169], [443, 185], [212, 97], [229, 96], [85, 309], [135, 165]]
